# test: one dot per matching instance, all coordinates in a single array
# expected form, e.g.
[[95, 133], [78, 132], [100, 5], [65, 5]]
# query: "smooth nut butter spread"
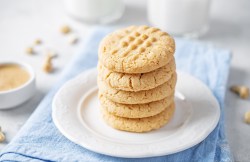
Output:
[[12, 76]]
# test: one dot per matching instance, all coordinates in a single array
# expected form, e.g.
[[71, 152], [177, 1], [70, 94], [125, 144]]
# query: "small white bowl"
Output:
[[17, 96]]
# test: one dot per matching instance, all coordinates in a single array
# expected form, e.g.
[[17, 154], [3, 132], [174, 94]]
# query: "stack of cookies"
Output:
[[137, 78]]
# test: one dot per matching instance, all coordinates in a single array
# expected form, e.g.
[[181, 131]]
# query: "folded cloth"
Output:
[[39, 139]]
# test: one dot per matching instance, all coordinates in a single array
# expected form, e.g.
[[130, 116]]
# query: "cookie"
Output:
[[137, 82], [140, 97], [136, 49], [135, 110], [139, 124]]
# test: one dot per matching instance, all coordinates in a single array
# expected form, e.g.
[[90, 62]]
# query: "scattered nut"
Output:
[[38, 41], [73, 39], [30, 50], [247, 117], [51, 54], [65, 29], [2, 136], [48, 66], [242, 91]]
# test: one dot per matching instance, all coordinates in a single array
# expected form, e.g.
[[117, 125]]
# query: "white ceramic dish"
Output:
[[12, 98], [76, 114]]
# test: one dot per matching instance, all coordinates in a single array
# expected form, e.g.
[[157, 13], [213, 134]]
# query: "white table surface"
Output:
[[21, 22]]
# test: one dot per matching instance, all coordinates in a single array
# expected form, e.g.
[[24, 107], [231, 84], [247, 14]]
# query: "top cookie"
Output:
[[136, 49]]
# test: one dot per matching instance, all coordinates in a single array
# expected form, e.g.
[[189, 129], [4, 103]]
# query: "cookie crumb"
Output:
[[38, 41], [65, 29], [30, 50], [2, 136], [48, 65], [247, 117], [242, 91]]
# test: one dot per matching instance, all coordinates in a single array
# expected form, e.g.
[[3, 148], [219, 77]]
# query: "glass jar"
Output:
[[180, 17], [95, 11]]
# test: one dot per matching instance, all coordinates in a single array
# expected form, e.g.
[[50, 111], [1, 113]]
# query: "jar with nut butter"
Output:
[[17, 83]]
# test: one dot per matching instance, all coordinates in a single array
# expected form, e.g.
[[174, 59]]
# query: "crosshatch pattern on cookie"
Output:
[[136, 49]]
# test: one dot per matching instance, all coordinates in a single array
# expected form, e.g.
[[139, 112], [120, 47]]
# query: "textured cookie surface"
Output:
[[137, 82], [139, 124], [136, 49], [135, 110], [140, 97]]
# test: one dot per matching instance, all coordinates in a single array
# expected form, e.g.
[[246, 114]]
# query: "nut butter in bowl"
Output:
[[17, 83]]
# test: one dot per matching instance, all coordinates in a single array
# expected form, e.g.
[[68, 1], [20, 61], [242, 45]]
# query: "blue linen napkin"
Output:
[[39, 139]]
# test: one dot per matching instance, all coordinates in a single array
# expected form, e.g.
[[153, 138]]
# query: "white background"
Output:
[[21, 22]]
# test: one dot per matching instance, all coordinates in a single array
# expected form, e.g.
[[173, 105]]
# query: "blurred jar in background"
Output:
[[189, 18], [95, 11]]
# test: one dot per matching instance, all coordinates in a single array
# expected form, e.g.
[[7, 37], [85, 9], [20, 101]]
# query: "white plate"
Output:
[[76, 114]]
